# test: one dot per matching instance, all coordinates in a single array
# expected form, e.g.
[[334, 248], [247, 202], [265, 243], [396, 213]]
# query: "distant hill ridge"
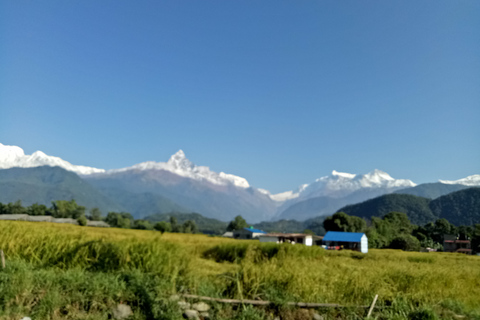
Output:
[[459, 208]]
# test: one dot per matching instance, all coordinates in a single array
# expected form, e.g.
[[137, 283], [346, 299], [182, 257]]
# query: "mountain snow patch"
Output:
[[472, 181]]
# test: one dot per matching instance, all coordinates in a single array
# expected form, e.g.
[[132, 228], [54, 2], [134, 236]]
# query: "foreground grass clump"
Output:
[[59, 271]]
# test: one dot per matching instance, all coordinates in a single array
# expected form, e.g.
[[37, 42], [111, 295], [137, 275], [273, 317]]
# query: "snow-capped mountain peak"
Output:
[[472, 181], [180, 161], [340, 184], [180, 165], [13, 156]]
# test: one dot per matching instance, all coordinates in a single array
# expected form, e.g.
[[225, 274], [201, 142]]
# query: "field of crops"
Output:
[[59, 271]]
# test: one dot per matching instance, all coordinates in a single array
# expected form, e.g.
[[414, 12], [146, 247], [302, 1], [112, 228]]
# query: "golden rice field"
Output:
[[218, 267]]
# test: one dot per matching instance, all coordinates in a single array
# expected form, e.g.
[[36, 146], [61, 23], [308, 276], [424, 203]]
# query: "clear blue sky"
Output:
[[279, 92]]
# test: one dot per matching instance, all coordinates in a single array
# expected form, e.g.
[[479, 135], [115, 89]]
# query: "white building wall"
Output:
[[256, 235], [308, 240], [364, 244]]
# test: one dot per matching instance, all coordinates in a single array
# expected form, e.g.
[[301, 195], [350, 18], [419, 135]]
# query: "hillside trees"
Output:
[[38, 210], [12, 208], [341, 221]]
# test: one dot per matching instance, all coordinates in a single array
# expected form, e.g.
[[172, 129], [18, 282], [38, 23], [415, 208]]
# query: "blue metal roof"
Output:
[[343, 236], [254, 230]]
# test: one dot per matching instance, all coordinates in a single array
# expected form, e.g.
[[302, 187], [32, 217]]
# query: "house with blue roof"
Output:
[[336, 240], [248, 233]]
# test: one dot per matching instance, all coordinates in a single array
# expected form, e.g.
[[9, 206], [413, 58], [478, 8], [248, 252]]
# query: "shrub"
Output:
[[405, 243], [82, 221]]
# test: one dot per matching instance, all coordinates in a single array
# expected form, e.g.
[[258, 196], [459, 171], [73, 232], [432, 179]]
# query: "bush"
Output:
[[405, 243], [82, 221]]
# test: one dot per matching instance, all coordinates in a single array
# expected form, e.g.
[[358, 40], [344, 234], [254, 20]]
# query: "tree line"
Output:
[[71, 209], [395, 231]]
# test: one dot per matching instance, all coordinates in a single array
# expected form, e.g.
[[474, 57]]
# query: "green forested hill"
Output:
[[415, 207], [460, 208]]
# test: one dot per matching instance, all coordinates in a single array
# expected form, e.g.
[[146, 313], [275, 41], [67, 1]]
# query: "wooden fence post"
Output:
[[2, 255], [372, 306]]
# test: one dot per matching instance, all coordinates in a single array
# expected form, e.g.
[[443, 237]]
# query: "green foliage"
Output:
[[67, 209], [95, 214], [405, 243], [119, 220], [416, 208], [38, 210], [340, 221], [82, 221], [460, 208], [423, 314], [189, 226], [163, 226], [142, 225], [13, 208], [237, 224], [204, 225]]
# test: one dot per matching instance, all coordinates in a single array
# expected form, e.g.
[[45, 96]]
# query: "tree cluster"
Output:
[[58, 209], [188, 226], [70, 209]]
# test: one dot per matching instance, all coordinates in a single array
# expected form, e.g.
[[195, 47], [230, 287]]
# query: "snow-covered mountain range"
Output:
[[200, 189], [15, 157]]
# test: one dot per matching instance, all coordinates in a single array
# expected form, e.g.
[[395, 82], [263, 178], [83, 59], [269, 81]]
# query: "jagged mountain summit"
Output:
[[180, 165], [15, 157]]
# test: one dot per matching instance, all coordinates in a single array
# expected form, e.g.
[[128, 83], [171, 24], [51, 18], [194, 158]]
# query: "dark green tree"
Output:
[[14, 208], [82, 221], [67, 209], [95, 214], [163, 226], [189, 226], [405, 242], [341, 221], [119, 220], [142, 225], [38, 210], [174, 224], [237, 223]]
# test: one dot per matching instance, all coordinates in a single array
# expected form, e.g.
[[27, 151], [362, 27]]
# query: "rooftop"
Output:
[[343, 236]]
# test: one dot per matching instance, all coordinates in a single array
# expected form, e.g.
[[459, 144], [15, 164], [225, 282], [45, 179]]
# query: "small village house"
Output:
[[293, 238], [452, 243], [335, 240], [248, 233], [228, 234]]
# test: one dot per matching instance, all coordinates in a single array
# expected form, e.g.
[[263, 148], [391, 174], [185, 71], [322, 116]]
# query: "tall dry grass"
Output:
[[248, 269]]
